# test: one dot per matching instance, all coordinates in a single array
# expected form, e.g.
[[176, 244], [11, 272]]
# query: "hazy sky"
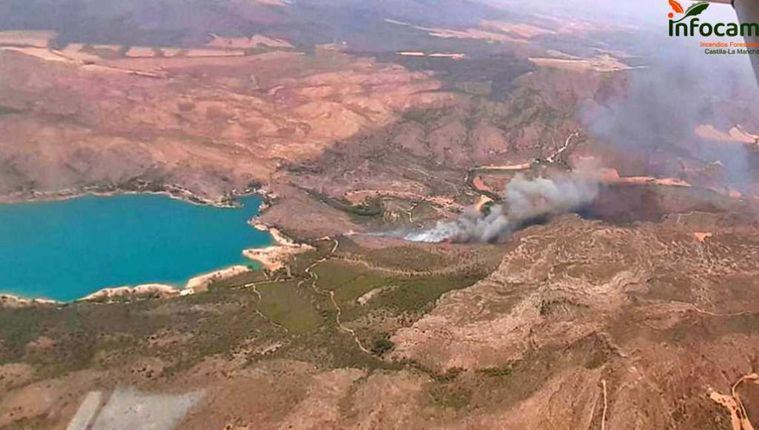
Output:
[[651, 12]]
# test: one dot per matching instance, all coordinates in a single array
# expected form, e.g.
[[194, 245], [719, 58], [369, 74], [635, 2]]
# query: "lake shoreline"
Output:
[[175, 192], [196, 284]]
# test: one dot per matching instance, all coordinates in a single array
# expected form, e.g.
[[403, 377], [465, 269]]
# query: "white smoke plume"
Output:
[[526, 200]]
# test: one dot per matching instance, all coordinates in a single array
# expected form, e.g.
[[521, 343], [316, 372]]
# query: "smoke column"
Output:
[[525, 201]]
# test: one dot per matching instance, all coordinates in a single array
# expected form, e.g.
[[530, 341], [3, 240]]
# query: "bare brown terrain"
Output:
[[208, 127], [362, 124]]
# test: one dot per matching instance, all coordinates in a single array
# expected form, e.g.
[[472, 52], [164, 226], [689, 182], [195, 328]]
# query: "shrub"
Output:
[[382, 344]]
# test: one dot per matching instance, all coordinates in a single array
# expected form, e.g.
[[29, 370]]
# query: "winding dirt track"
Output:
[[331, 294]]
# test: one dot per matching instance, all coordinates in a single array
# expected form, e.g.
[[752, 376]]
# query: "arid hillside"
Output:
[[579, 325], [208, 124]]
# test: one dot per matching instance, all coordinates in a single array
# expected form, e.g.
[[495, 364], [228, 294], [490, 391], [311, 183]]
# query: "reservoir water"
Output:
[[64, 250]]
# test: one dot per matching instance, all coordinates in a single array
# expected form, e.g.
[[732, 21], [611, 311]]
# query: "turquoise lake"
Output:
[[64, 250]]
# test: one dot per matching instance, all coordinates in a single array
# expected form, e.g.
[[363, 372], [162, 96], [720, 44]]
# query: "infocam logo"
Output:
[[689, 25]]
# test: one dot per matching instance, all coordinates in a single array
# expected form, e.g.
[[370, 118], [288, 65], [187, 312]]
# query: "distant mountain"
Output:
[[188, 22]]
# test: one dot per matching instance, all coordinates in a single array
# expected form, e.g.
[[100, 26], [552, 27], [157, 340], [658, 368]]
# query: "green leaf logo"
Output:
[[694, 10]]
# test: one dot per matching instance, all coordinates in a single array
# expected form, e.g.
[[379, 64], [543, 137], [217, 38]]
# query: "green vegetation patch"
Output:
[[349, 281], [5, 110], [497, 372], [382, 344], [410, 258], [418, 294], [425, 116], [450, 395], [401, 294], [289, 305], [369, 208]]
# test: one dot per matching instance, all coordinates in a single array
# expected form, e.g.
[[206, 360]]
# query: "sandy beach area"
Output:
[[200, 284], [12, 301], [145, 290], [275, 257]]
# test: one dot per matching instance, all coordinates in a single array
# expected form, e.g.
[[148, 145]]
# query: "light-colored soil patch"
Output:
[[277, 256], [276, 3], [129, 409], [603, 63], [507, 168], [454, 56], [41, 53], [146, 290], [85, 416], [141, 52], [611, 176], [214, 53], [75, 52], [734, 135], [10, 301], [479, 184], [732, 402], [37, 39], [254, 41], [471, 33], [481, 202], [366, 298], [200, 283], [43, 399], [15, 374], [641, 180], [522, 30]]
